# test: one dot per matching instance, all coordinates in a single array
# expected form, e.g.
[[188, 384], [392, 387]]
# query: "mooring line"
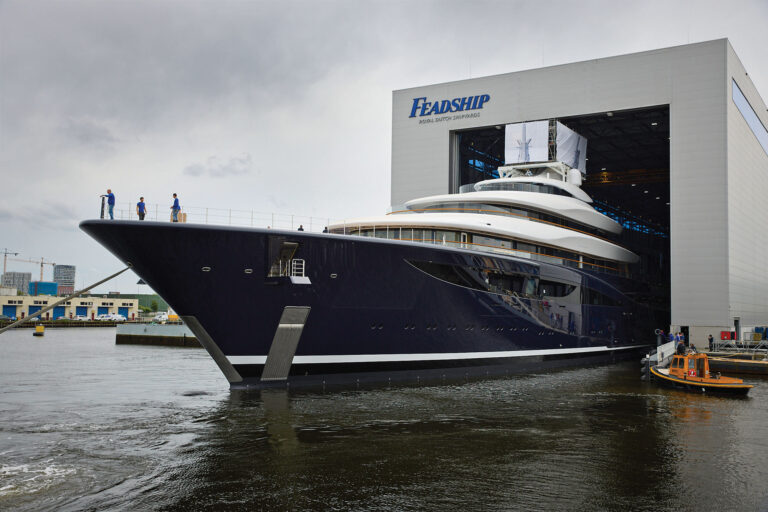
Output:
[[48, 308]]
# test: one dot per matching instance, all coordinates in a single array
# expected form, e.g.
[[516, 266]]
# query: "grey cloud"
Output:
[[141, 62], [55, 216], [90, 135], [216, 167]]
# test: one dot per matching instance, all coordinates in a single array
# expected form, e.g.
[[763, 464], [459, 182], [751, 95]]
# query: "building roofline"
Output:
[[645, 52]]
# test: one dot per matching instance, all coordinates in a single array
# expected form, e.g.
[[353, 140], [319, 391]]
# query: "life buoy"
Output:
[[691, 373]]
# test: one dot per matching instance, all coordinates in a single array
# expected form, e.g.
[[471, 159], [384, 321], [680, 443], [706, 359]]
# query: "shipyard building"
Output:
[[676, 151]]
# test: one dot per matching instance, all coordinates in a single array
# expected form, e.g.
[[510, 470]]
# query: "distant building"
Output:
[[88, 307], [145, 299], [17, 280], [43, 288], [64, 276]]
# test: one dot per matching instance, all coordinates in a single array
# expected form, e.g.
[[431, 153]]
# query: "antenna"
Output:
[[524, 154]]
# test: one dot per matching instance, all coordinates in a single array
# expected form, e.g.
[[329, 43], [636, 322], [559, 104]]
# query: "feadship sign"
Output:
[[434, 111]]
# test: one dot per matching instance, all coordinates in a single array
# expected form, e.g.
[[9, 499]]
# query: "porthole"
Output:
[[206, 269], [334, 276], [248, 271]]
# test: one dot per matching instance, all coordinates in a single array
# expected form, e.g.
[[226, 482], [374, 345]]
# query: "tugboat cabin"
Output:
[[690, 365]]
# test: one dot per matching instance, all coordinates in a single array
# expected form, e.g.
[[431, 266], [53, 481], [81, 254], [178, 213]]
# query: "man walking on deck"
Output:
[[175, 208], [110, 202]]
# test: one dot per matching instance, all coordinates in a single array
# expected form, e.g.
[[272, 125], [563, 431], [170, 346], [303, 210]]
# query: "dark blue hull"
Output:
[[378, 310]]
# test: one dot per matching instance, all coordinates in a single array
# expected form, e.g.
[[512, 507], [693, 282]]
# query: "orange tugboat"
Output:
[[691, 372]]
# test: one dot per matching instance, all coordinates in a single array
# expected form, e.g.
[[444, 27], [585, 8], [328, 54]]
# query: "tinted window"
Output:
[[451, 273], [555, 289], [480, 279], [750, 116], [595, 298]]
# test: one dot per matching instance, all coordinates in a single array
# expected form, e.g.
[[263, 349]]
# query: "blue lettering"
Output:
[[415, 106], [464, 105], [428, 108]]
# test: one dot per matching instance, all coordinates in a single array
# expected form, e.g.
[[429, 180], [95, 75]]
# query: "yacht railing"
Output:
[[225, 216], [297, 268]]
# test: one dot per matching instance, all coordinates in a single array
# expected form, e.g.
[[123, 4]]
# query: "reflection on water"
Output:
[[85, 424]]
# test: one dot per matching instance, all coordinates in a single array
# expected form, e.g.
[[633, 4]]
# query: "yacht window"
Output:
[[446, 237], [595, 298], [454, 274], [555, 289], [523, 187], [507, 283]]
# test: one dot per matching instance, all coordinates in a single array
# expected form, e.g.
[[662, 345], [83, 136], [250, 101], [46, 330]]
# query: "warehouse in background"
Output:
[[671, 143], [43, 288]]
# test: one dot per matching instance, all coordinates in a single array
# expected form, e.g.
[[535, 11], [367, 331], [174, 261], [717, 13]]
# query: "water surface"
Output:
[[89, 425]]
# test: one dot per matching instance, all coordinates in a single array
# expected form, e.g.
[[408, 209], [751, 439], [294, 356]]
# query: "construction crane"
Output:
[[6, 252], [41, 262]]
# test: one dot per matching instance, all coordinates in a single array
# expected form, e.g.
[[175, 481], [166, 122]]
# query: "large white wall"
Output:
[[709, 273], [747, 204]]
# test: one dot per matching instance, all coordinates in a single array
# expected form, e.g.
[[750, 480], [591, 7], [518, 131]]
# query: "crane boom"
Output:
[[41, 262]]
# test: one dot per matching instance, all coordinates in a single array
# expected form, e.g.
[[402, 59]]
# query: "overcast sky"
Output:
[[278, 107]]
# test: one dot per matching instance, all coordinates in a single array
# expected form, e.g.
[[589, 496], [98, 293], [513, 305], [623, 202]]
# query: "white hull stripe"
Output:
[[382, 358]]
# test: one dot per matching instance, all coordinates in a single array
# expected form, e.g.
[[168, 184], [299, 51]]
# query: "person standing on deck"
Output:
[[110, 202], [141, 208], [175, 208]]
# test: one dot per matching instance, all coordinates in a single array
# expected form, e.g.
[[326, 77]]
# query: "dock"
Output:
[[739, 363], [169, 335]]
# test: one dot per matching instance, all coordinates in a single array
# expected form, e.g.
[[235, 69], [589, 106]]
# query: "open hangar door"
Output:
[[627, 176]]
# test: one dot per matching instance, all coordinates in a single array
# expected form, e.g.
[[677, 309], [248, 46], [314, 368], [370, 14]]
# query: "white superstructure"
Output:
[[535, 212]]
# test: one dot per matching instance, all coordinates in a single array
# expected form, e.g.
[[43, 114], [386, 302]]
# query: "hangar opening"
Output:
[[627, 176]]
